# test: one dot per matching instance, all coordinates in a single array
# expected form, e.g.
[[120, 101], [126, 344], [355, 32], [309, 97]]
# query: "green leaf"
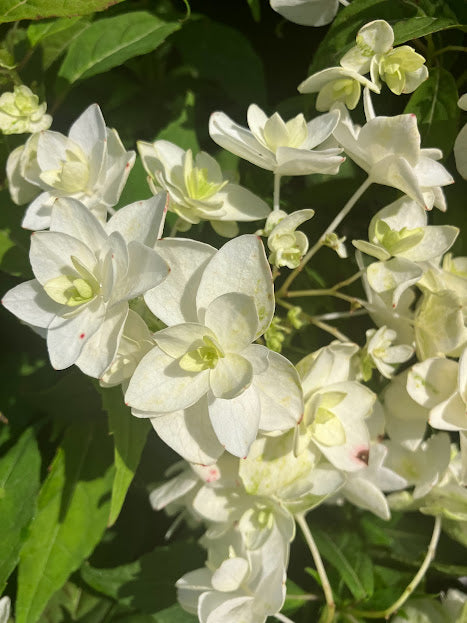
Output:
[[336, 557], [224, 56], [435, 104], [182, 131], [12, 10], [110, 42], [175, 614], [149, 583], [292, 604], [417, 27], [72, 513], [19, 485], [129, 434], [14, 241], [255, 8], [457, 530], [41, 30], [56, 37], [77, 603]]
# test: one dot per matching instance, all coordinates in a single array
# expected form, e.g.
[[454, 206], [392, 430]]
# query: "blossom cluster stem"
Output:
[[331, 606], [283, 618], [315, 320], [277, 191], [430, 554], [329, 230]]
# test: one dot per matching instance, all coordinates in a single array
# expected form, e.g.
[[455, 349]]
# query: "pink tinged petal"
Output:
[[241, 204], [160, 385], [179, 339], [239, 266], [432, 173], [146, 269], [231, 376], [173, 301], [142, 221], [385, 136], [239, 141], [51, 148], [220, 608], [71, 217], [66, 337], [236, 421], [233, 319], [29, 302], [229, 576], [189, 432], [115, 170], [99, 351], [280, 394], [321, 128], [51, 254], [291, 161], [38, 212]]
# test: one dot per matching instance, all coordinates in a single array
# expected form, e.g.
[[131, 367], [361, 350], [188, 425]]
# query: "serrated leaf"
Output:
[[129, 435], [435, 104], [224, 56], [182, 130], [149, 583], [72, 513], [334, 555], [109, 42], [417, 27], [19, 485], [12, 10]]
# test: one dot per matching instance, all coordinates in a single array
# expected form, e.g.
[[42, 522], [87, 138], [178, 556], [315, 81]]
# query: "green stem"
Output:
[[331, 606], [430, 554], [277, 191], [329, 230], [450, 48]]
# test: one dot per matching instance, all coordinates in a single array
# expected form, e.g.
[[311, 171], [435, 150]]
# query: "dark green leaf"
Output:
[[55, 42], [14, 241], [72, 513], [292, 604], [110, 42], [129, 434], [417, 27], [12, 10], [457, 530], [19, 484], [182, 131], [175, 614], [41, 30], [334, 555], [435, 104], [255, 8], [224, 56], [76, 603], [148, 584]]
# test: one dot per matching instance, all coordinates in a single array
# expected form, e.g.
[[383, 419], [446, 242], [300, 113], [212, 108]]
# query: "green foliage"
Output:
[[11, 10]]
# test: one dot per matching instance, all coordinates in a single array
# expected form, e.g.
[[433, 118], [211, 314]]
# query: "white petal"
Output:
[[384, 136], [38, 212], [160, 385], [239, 266], [240, 204], [173, 301], [320, 128], [236, 421], [432, 381], [89, 132], [51, 151], [173, 489], [181, 338], [230, 574], [365, 494], [233, 319], [450, 414], [219, 608], [21, 191], [30, 303], [71, 217], [231, 376], [114, 174], [292, 161], [305, 12], [51, 252], [146, 269]]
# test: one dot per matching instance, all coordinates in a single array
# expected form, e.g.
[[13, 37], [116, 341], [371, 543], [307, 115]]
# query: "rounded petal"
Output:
[[231, 376], [142, 221], [30, 303], [233, 319]]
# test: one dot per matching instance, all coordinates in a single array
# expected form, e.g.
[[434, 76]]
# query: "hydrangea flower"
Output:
[[287, 246], [20, 112], [197, 188], [90, 165], [286, 148], [85, 275]]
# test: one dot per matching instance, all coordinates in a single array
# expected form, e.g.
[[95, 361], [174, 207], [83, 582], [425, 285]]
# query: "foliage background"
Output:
[[69, 550]]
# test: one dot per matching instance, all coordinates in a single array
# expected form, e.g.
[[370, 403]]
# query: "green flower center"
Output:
[[67, 290], [397, 241], [202, 358]]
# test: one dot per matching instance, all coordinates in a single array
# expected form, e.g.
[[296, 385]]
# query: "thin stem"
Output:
[[303, 597], [368, 105], [174, 229], [277, 191], [344, 314], [318, 323], [283, 618], [450, 48], [111, 211], [329, 292], [331, 606], [329, 230], [430, 554]]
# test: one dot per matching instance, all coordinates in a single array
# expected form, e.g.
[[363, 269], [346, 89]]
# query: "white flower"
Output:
[[85, 276], [336, 84], [286, 148], [197, 188], [401, 68], [287, 245], [5, 604], [20, 112], [388, 149], [379, 352], [460, 146], [307, 12], [205, 366], [90, 165]]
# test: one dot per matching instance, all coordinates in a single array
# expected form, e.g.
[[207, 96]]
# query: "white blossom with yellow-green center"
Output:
[[85, 275], [292, 147], [90, 165], [205, 365], [197, 188], [20, 112], [287, 246]]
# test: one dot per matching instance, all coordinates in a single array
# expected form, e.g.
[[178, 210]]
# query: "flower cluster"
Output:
[[263, 441]]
